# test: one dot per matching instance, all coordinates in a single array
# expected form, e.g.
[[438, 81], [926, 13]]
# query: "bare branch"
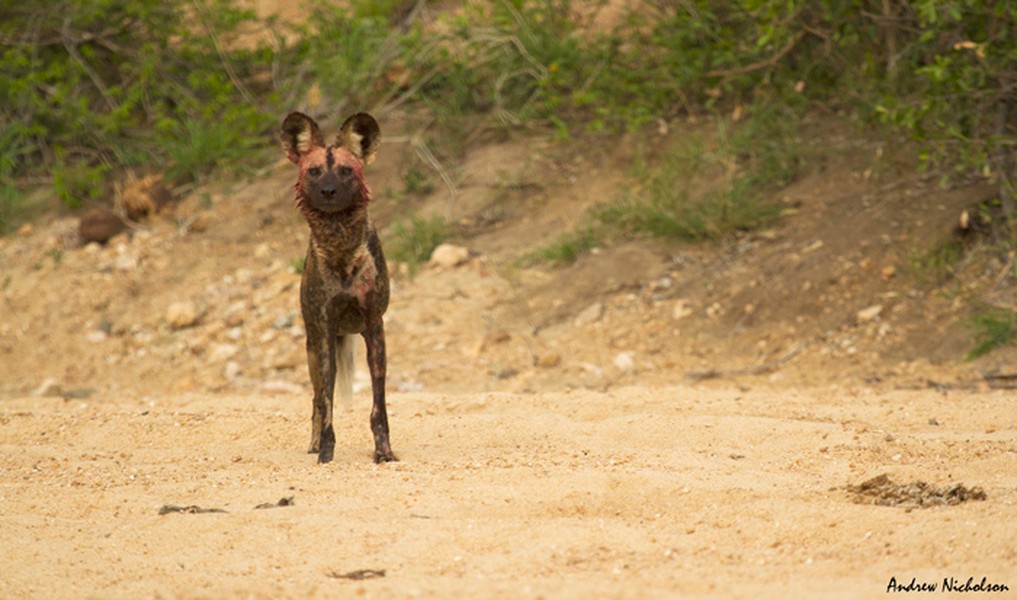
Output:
[[227, 65], [763, 64], [72, 50]]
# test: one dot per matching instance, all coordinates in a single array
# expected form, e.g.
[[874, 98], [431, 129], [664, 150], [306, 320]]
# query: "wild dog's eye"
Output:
[[345, 171], [314, 171]]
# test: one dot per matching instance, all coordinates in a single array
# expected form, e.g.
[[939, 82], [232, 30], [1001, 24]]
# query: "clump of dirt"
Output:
[[284, 501], [882, 491]]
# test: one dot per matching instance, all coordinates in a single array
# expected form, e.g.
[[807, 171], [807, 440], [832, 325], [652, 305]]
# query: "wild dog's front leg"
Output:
[[374, 338], [321, 366], [317, 409]]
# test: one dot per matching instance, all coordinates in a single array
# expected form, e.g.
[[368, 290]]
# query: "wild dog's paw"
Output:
[[325, 455], [384, 456]]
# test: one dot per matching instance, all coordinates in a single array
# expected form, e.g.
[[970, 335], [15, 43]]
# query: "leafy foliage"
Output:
[[565, 249], [412, 240], [960, 100], [734, 177], [993, 329], [88, 82]]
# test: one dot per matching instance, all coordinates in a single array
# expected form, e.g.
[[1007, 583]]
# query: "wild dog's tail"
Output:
[[344, 369]]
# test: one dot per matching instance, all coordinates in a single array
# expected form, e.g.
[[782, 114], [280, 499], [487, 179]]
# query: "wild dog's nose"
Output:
[[328, 190]]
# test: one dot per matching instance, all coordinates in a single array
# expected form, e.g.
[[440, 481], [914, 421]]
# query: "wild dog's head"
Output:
[[331, 177]]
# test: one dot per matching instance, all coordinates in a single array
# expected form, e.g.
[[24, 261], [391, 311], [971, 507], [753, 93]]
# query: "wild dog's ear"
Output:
[[299, 134], [361, 135]]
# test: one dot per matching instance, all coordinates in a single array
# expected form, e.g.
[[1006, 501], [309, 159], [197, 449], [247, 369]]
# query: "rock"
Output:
[[244, 276], [49, 387], [232, 370], [816, 245], [662, 284], [681, 310], [549, 360], [499, 336], [125, 260], [182, 314], [449, 255], [221, 352], [624, 363], [26, 229], [234, 314], [285, 321], [97, 336], [99, 225], [590, 314], [508, 373], [196, 224], [262, 251], [868, 314]]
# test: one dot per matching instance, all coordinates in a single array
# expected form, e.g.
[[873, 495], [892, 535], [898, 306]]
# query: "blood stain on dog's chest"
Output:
[[362, 272]]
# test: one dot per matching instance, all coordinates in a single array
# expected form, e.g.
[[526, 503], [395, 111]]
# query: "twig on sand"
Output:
[[192, 509], [359, 574]]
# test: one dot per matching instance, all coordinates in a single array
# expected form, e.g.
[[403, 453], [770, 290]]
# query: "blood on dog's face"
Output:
[[331, 179], [331, 176]]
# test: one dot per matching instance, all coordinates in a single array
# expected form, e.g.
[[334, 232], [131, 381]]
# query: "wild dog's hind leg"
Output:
[[374, 338]]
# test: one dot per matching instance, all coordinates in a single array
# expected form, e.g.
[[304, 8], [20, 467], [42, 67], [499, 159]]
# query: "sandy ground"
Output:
[[635, 493]]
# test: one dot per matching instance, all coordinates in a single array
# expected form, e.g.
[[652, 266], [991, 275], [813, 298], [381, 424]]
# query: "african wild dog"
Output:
[[344, 290]]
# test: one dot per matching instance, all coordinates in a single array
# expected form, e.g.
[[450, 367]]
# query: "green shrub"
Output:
[[349, 53], [564, 250], [85, 85], [10, 195], [411, 241], [416, 182], [993, 329], [733, 179], [935, 265], [76, 183]]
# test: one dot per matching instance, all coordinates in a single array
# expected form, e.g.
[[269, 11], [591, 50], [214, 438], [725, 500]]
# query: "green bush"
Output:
[[87, 82], [351, 54], [10, 195], [698, 191], [993, 329], [412, 240], [963, 102], [564, 250], [94, 85]]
